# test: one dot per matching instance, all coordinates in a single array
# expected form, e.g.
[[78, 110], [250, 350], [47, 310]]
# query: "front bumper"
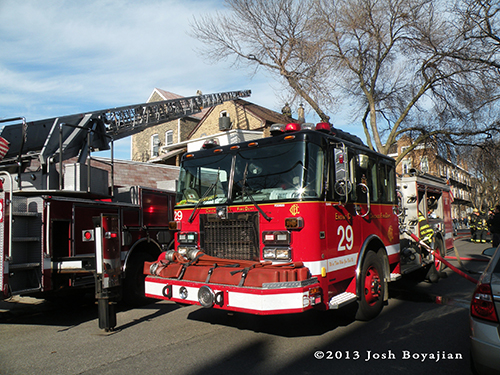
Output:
[[270, 299]]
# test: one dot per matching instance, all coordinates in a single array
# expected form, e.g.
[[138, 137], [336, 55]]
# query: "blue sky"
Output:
[[62, 57]]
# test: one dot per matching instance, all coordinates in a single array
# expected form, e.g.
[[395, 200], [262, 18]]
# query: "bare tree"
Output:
[[272, 34], [400, 64], [483, 161], [407, 66]]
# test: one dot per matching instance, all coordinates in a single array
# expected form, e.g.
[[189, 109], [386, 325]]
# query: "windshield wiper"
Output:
[[243, 191], [214, 185]]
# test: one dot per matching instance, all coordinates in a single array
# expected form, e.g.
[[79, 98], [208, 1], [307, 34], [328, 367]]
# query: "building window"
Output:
[[406, 166], [224, 121], [424, 164], [155, 145], [169, 137]]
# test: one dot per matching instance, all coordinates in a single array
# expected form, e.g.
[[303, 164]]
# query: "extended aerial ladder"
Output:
[[50, 141]]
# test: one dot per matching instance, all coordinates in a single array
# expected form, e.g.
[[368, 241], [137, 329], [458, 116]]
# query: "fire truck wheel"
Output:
[[371, 288], [133, 284]]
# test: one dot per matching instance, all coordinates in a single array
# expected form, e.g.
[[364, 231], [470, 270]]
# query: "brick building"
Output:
[[164, 143], [238, 114], [146, 145], [429, 158], [129, 173]]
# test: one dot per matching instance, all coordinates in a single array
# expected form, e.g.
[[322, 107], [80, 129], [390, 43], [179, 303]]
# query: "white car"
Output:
[[484, 319]]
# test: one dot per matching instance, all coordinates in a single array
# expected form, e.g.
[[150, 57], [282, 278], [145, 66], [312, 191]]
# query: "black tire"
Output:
[[133, 284], [372, 287]]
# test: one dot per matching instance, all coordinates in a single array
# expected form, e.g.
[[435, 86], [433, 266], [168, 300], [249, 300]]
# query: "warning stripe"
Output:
[[4, 147]]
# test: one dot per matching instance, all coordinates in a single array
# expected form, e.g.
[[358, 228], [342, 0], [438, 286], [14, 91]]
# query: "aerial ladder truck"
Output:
[[63, 223]]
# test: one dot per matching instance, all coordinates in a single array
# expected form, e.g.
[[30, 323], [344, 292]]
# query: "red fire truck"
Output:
[[63, 222], [307, 218]]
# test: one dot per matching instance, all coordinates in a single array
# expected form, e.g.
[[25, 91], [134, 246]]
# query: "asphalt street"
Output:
[[424, 328]]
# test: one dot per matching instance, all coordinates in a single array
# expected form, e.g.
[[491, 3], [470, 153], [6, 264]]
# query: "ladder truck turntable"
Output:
[[66, 225], [308, 218]]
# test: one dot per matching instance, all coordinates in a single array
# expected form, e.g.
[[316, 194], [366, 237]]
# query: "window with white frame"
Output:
[[424, 164], [406, 165], [155, 145], [169, 137]]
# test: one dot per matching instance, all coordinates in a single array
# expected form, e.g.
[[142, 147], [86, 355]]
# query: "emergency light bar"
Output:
[[278, 129]]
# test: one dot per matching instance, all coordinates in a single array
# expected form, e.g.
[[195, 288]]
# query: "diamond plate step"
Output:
[[341, 300], [395, 276]]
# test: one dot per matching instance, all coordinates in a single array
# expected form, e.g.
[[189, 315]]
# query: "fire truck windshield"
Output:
[[277, 172]]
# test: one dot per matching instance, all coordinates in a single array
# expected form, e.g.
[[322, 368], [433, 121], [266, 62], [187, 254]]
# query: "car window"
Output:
[[496, 270]]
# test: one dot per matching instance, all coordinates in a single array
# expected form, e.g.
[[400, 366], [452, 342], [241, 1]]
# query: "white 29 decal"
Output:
[[346, 238], [177, 215]]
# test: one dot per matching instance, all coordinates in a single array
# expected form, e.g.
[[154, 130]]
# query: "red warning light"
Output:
[[109, 235], [292, 127], [87, 235], [323, 126]]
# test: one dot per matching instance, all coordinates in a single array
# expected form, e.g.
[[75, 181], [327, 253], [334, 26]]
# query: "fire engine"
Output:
[[308, 218], [63, 222]]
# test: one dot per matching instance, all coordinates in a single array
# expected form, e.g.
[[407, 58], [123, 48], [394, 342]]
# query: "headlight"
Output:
[[269, 253], [283, 253]]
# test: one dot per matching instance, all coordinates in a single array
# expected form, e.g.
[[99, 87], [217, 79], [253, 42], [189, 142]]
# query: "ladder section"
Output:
[[67, 136], [125, 121], [26, 258]]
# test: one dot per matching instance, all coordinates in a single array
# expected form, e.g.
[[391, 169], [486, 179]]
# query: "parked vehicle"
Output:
[[484, 320]]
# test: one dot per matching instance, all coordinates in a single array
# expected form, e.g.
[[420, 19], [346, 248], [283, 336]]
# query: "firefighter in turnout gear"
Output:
[[482, 228], [494, 225], [478, 227], [426, 232]]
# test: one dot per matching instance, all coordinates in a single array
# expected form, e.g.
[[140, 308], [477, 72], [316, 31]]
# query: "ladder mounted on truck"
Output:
[[32, 170], [50, 141]]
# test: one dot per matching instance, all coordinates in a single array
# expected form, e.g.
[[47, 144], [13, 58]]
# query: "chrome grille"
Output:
[[236, 237]]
